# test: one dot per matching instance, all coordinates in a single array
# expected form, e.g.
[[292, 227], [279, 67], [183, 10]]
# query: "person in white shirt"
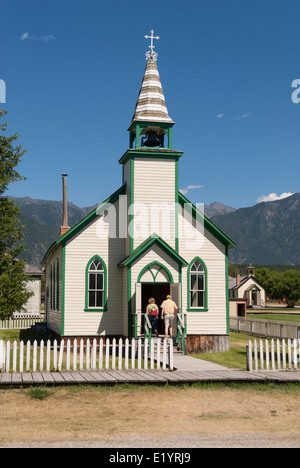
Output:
[[168, 309]]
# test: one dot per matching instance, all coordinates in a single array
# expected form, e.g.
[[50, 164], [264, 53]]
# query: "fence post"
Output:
[[139, 354], [107, 345], [278, 355], [114, 345], [133, 354], [101, 354], [34, 363], [75, 354], [249, 357], [28, 352], [2, 354], [120, 354], [152, 355], [68, 355], [94, 354], [290, 353], [81, 353], [267, 355], [273, 355], [295, 357], [165, 354], [262, 364], [21, 358], [126, 354], [61, 354], [48, 363], [158, 353], [171, 355], [284, 354]]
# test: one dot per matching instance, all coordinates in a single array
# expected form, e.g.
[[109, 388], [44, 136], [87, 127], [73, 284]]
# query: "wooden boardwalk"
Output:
[[26, 379]]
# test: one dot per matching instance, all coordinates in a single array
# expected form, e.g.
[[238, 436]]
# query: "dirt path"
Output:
[[152, 417]]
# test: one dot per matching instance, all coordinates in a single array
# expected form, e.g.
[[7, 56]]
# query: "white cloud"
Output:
[[220, 116], [274, 197], [190, 187], [26, 36], [243, 116]]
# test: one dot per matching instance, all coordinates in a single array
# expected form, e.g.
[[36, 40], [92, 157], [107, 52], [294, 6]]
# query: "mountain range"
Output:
[[267, 233]]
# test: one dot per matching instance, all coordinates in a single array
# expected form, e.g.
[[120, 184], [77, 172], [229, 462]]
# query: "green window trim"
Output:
[[162, 267], [189, 307], [87, 272]]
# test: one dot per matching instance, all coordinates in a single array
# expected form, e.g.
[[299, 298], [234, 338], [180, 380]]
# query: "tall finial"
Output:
[[152, 55]]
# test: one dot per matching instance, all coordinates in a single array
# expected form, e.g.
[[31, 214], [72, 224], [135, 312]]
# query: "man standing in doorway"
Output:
[[168, 309]]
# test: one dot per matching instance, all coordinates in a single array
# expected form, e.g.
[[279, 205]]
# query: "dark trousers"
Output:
[[154, 323]]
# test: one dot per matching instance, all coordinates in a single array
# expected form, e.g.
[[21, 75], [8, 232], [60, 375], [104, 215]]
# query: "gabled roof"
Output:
[[151, 104], [92, 216], [208, 224], [144, 246], [243, 281], [86, 220], [33, 270]]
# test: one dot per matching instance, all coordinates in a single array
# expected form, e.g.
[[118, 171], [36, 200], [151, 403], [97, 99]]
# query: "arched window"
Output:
[[197, 280], [96, 285]]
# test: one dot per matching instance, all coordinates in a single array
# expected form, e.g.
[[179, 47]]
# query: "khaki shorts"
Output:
[[169, 320]]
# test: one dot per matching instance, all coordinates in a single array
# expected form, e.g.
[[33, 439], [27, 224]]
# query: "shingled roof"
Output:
[[151, 104]]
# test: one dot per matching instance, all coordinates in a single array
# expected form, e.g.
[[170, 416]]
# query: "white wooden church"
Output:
[[145, 240]]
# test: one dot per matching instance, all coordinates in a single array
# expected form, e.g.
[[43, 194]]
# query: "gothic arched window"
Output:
[[96, 285], [197, 279]]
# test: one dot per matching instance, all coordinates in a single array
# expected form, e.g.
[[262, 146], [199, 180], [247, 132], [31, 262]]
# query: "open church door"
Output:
[[175, 291]]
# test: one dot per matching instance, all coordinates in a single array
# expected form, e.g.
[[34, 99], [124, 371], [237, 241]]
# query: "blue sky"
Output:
[[73, 70]]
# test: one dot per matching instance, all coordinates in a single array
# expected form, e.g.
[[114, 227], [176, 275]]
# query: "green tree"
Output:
[[291, 287], [282, 286], [13, 293], [233, 270]]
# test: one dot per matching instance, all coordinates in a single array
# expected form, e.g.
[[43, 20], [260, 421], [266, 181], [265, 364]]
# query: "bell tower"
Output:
[[150, 165], [151, 124]]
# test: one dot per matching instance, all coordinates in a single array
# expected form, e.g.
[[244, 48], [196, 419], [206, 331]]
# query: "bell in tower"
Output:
[[153, 139]]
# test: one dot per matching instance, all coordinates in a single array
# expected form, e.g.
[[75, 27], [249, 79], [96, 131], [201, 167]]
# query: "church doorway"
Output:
[[159, 292]]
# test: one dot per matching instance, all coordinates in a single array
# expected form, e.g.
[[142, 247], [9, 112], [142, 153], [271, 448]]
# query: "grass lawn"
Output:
[[276, 317], [235, 358], [18, 335]]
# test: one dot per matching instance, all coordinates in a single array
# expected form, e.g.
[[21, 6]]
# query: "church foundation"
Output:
[[204, 344]]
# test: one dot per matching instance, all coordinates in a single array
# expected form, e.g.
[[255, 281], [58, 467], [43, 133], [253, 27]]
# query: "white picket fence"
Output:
[[97, 354], [21, 322], [274, 355]]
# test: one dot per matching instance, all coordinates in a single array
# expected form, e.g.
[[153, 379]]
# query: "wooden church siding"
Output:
[[154, 183], [127, 180], [53, 312], [125, 301], [79, 252], [213, 253]]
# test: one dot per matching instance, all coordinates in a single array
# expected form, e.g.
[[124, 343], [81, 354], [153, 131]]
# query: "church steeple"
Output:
[[151, 121]]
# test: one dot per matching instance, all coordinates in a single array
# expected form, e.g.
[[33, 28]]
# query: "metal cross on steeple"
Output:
[[152, 54]]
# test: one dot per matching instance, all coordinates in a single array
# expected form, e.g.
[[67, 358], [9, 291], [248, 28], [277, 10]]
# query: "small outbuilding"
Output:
[[248, 288], [33, 306]]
